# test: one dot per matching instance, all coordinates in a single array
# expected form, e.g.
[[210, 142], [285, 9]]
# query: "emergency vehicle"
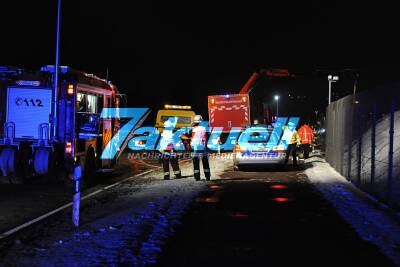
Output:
[[229, 111], [184, 119], [244, 108], [184, 115], [32, 143]]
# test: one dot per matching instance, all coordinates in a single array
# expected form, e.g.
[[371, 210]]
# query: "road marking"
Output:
[[18, 228]]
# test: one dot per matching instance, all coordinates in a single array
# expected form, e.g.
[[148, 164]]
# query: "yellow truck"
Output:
[[184, 114]]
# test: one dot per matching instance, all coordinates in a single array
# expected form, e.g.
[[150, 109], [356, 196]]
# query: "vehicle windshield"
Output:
[[260, 138], [261, 134], [181, 120]]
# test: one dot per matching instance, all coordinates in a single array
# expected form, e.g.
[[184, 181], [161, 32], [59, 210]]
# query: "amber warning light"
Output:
[[70, 89]]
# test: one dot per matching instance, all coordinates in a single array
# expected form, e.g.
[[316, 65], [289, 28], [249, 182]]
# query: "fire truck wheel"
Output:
[[7, 161], [41, 161]]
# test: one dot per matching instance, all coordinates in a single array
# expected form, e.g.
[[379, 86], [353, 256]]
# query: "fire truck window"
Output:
[[86, 103]]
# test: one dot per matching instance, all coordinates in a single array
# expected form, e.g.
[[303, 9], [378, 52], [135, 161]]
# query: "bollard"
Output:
[[77, 195]]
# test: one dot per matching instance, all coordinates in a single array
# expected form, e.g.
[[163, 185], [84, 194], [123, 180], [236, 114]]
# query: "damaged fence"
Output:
[[363, 144]]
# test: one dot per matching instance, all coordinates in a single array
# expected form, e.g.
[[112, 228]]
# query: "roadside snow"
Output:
[[370, 219], [127, 231]]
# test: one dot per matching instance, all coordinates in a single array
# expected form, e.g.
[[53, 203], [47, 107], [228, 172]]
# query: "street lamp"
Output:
[[276, 97], [55, 91], [331, 79]]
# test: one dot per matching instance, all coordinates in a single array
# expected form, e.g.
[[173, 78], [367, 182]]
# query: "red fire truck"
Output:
[[229, 111], [29, 145], [240, 110]]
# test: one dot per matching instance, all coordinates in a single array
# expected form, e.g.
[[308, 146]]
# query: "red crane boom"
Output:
[[264, 72]]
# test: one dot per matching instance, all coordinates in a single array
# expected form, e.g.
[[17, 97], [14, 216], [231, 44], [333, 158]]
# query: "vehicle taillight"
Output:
[[244, 99], [238, 148], [212, 100], [70, 90], [279, 148], [68, 148]]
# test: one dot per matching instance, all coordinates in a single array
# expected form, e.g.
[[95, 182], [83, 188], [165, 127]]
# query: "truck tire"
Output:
[[41, 161], [7, 161]]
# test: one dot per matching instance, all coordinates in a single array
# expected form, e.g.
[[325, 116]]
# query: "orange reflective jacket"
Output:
[[306, 134]]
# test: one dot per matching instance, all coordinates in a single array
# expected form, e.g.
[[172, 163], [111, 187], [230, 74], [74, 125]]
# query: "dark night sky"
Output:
[[183, 51]]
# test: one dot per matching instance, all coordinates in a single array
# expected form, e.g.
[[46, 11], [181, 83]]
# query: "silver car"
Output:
[[260, 148]]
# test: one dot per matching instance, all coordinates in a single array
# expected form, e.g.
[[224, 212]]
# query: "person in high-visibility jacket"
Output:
[[293, 141], [306, 134], [199, 146], [168, 153]]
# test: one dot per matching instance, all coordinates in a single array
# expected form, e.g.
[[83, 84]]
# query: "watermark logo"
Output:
[[148, 138]]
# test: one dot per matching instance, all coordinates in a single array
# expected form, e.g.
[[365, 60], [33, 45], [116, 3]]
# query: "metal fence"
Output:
[[363, 141]]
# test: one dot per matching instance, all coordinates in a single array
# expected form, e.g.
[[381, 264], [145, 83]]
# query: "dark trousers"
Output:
[[196, 166], [172, 158], [306, 149], [291, 150]]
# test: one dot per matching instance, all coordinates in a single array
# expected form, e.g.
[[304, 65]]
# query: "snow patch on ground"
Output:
[[131, 234], [371, 220]]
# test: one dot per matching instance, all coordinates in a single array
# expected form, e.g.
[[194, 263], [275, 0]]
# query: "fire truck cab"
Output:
[[30, 145]]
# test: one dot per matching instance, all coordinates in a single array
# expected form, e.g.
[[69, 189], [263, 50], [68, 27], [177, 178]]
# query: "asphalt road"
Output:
[[266, 219], [254, 218], [20, 203]]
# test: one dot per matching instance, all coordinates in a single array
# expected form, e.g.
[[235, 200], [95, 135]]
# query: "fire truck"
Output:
[[39, 136], [245, 108], [237, 111], [229, 111]]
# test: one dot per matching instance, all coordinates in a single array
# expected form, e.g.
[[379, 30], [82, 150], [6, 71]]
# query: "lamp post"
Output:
[[331, 79], [55, 91], [276, 97]]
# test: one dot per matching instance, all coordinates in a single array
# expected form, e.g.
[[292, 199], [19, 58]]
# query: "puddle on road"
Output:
[[281, 199], [278, 186], [215, 186]]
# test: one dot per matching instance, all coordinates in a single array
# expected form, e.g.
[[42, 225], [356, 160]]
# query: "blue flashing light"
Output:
[[28, 83]]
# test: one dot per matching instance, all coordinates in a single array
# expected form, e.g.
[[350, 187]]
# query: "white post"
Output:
[[77, 196]]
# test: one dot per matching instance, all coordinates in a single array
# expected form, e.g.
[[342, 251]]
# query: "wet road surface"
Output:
[[266, 219]]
